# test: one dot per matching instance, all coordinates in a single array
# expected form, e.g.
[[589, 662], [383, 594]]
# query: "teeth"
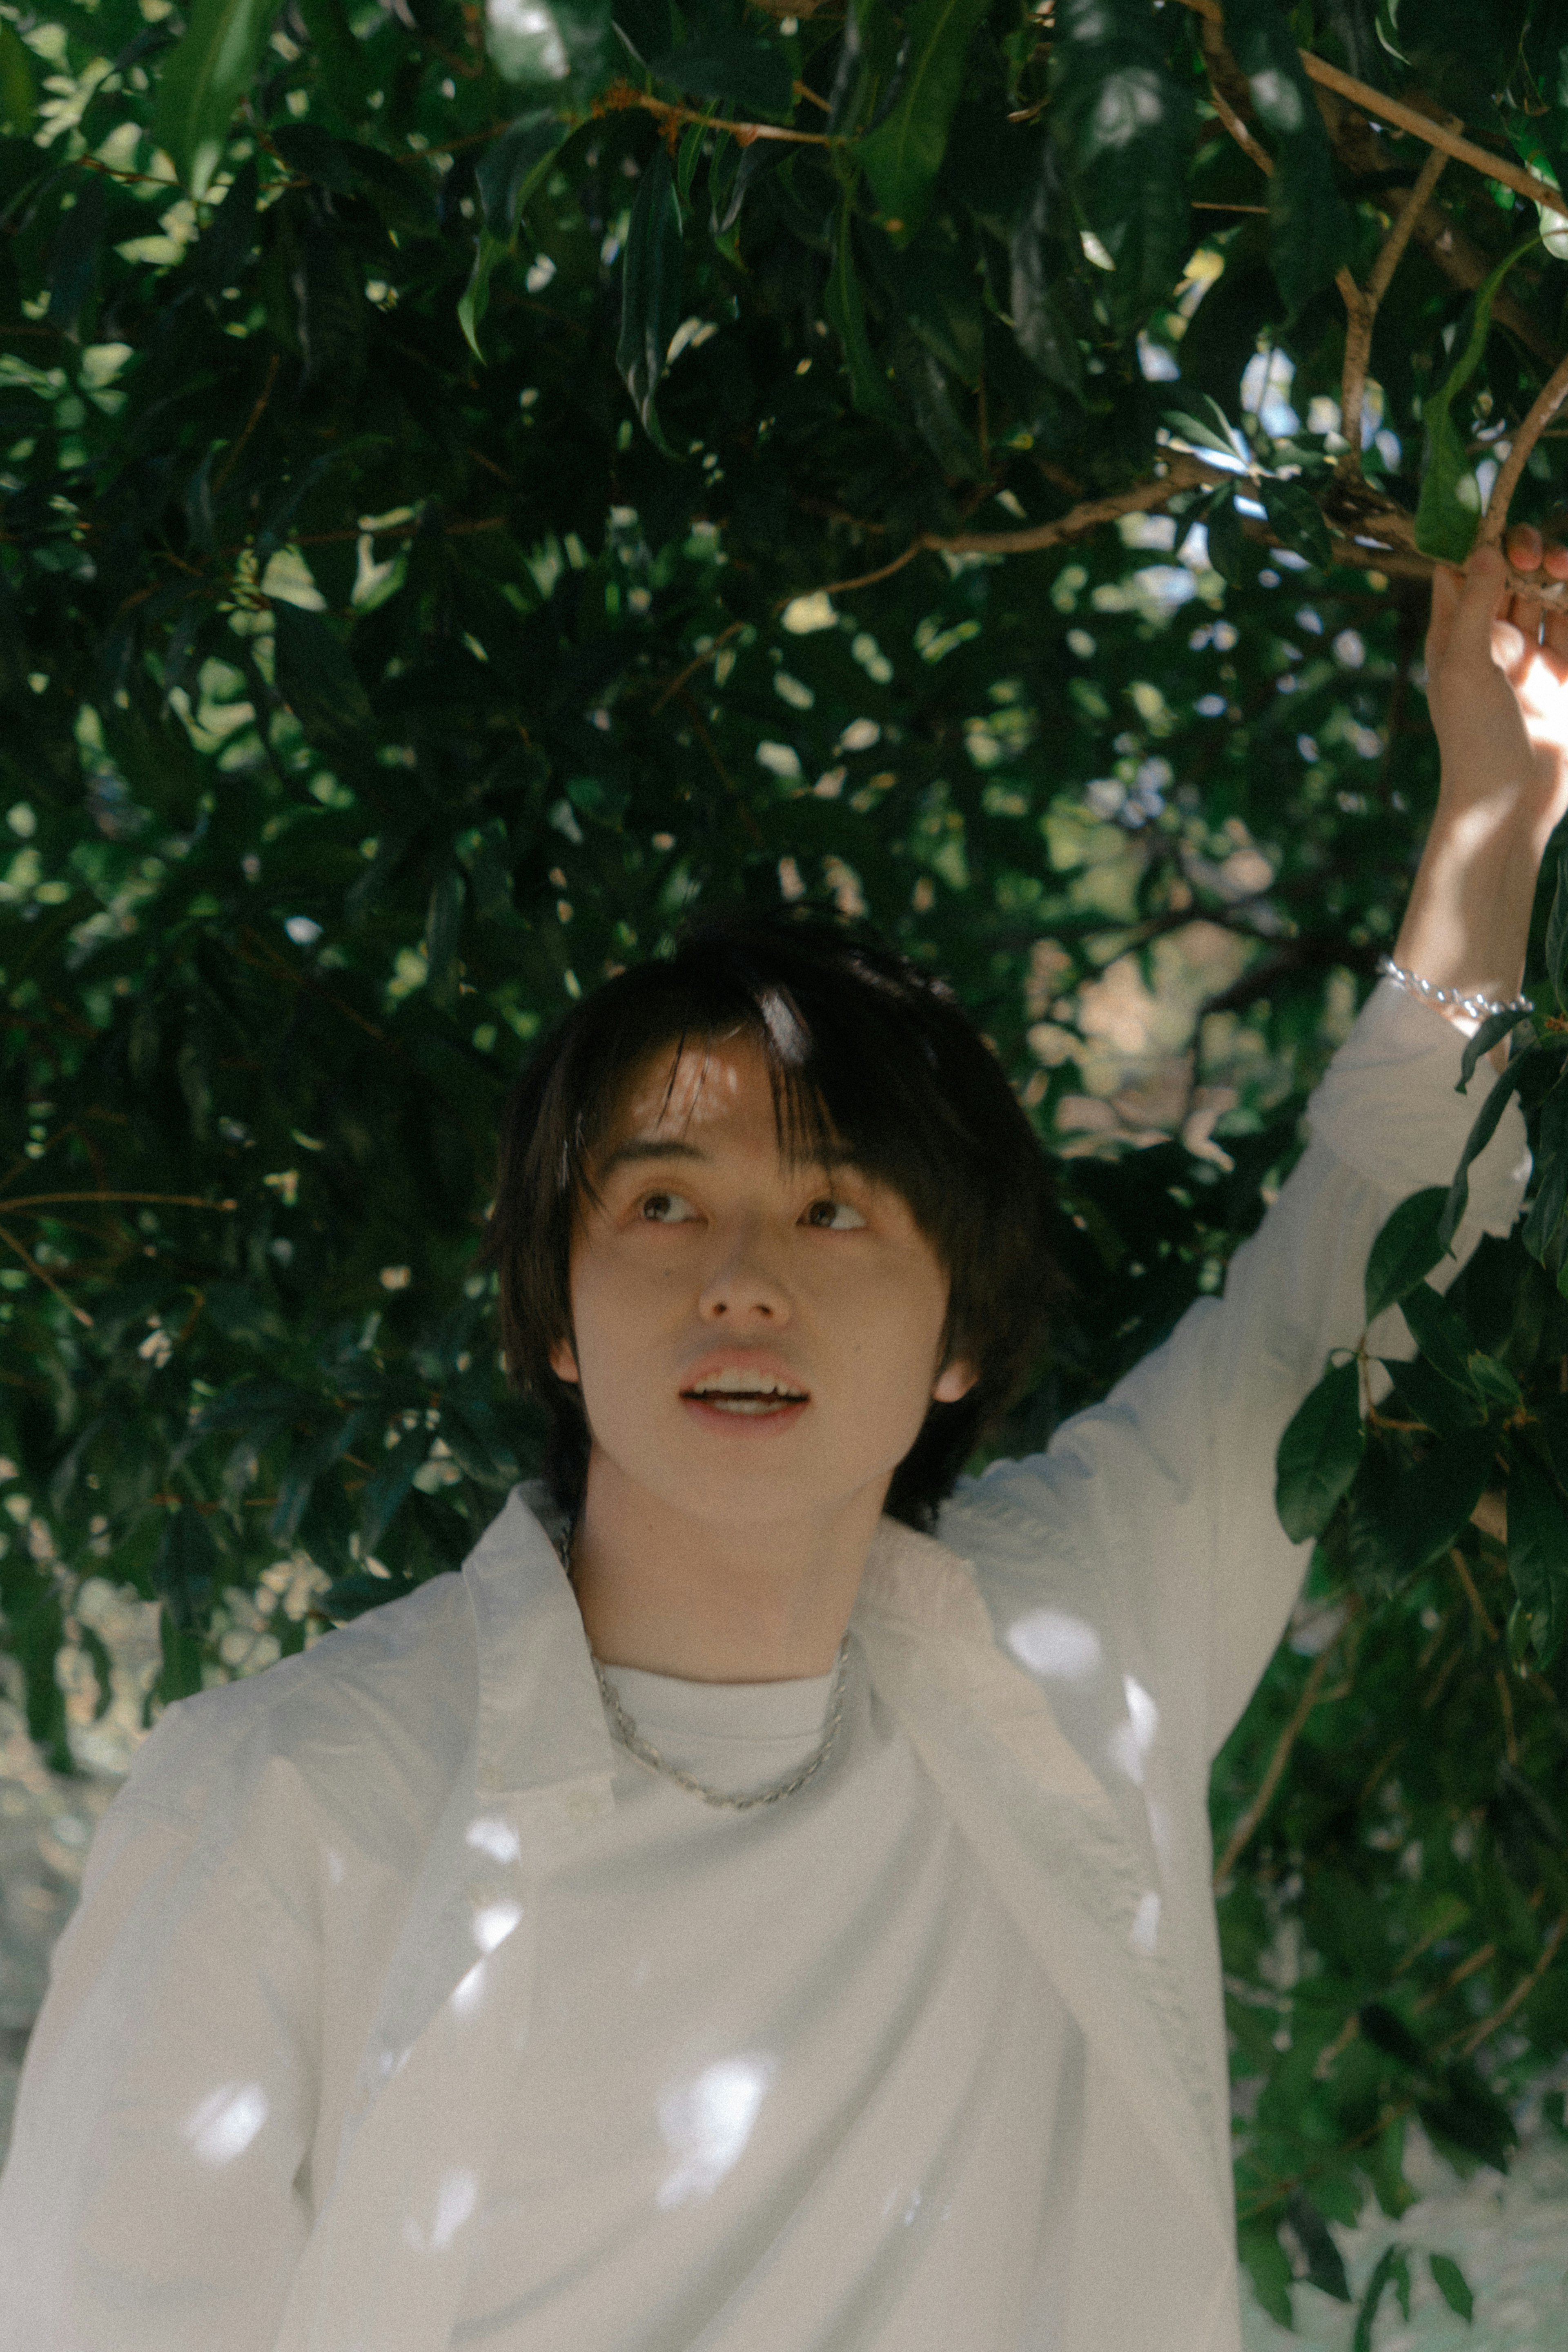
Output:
[[737, 1384]]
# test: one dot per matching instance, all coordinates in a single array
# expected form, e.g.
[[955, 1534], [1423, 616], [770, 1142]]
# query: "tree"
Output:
[[473, 493]]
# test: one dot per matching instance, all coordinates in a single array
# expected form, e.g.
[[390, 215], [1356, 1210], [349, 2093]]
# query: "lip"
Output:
[[725, 1418]]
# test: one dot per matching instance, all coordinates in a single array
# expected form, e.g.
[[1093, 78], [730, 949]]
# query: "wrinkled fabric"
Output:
[[791, 2074], [269, 2097]]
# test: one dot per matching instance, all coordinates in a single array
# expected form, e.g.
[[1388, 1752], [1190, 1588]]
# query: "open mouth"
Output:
[[745, 1394]]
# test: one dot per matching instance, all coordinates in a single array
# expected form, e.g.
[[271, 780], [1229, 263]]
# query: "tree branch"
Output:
[[1361, 305], [1240, 1836], [1501, 168], [1543, 409], [46, 1279]]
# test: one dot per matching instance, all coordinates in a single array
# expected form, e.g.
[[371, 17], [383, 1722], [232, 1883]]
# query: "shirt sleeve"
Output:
[[152, 2200], [1170, 1481]]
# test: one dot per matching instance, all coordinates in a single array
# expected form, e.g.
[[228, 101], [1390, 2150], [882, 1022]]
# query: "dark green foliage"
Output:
[[414, 578]]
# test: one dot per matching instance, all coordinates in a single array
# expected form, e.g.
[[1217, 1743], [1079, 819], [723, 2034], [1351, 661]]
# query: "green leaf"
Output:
[[1383, 2276], [1406, 1249], [1440, 1330], [182, 1660], [1125, 129], [204, 78], [1309, 224], [1471, 2116], [73, 258], [1557, 932], [904, 154], [475, 298], [19, 91], [726, 65], [1233, 555], [182, 1571], [514, 165], [1486, 1126], [1319, 1453], [1044, 330], [1450, 2280], [1325, 2263], [1415, 1517], [845, 305], [1448, 512], [1492, 1031], [1385, 2167], [1294, 518], [1538, 1553], [442, 933], [650, 291], [1387, 2031], [304, 1467], [1493, 1380], [318, 681], [568, 45], [1269, 2267]]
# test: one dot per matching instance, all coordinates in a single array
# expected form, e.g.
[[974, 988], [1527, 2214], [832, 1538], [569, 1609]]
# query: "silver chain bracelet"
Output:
[[1474, 1007]]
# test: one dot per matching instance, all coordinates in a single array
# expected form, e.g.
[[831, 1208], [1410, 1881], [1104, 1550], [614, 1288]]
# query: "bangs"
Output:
[[837, 1099]]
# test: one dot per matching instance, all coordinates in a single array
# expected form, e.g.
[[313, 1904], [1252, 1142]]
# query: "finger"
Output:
[[1448, 587], [1555, 561], [1480, 604], [1510, 649], [1555, 635], [1524, 549], [1523, 614]]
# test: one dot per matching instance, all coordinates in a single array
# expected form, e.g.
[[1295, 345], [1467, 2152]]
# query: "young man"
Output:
[[761, 1926]]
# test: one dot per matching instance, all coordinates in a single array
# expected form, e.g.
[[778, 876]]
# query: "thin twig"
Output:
[[692, 667], [46, 1279], [1505, 1700], [620, 96], [1251, 148], [1242, 1832], [1501, 168], [159, 1200], [1361, 305], [1474, 1597], [1543, 409], [1521, 1991], [252, 421]]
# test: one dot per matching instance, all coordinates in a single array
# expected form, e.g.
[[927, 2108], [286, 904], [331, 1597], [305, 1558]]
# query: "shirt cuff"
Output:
[[1388, 1106]]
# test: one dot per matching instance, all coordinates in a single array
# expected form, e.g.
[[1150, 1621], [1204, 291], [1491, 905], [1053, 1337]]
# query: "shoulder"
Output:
[[368, 1725]]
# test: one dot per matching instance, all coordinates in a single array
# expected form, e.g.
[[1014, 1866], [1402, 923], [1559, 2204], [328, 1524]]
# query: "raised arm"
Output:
[[1158, 1504], [1498, 692]]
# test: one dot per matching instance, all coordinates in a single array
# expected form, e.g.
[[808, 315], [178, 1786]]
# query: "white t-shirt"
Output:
[[793, 2082]]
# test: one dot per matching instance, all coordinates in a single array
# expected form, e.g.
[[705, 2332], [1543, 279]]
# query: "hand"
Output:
[[1498, 689], [1497, 686]]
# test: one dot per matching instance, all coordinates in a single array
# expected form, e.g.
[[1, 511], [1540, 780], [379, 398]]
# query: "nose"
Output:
[[744, 1290]]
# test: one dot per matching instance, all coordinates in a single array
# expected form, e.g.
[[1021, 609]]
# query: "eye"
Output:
[[833, 1217], [666, 1209]]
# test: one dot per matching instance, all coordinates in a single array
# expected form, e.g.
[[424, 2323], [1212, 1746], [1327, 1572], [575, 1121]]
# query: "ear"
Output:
[[954, 1381], [563, 1363]]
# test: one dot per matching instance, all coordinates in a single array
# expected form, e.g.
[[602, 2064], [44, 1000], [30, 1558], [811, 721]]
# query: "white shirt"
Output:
[[791, 2074], [269, 2091]]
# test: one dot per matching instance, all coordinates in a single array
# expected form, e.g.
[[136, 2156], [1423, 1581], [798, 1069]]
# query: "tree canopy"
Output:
[[477, 491]]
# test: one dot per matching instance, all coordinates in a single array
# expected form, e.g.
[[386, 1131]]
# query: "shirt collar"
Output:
[[542, 1722]]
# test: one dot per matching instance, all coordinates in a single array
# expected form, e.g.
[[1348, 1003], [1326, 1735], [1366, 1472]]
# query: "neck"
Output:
[[756, 1602]]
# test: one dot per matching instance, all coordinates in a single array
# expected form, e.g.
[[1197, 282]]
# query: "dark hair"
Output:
[[865, 1052]]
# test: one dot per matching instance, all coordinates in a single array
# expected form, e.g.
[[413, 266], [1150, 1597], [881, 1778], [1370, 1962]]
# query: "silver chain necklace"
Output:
[[632, 1739]]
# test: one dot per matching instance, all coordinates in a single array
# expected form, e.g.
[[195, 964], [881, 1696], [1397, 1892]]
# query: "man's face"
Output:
[[755, 1341]]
